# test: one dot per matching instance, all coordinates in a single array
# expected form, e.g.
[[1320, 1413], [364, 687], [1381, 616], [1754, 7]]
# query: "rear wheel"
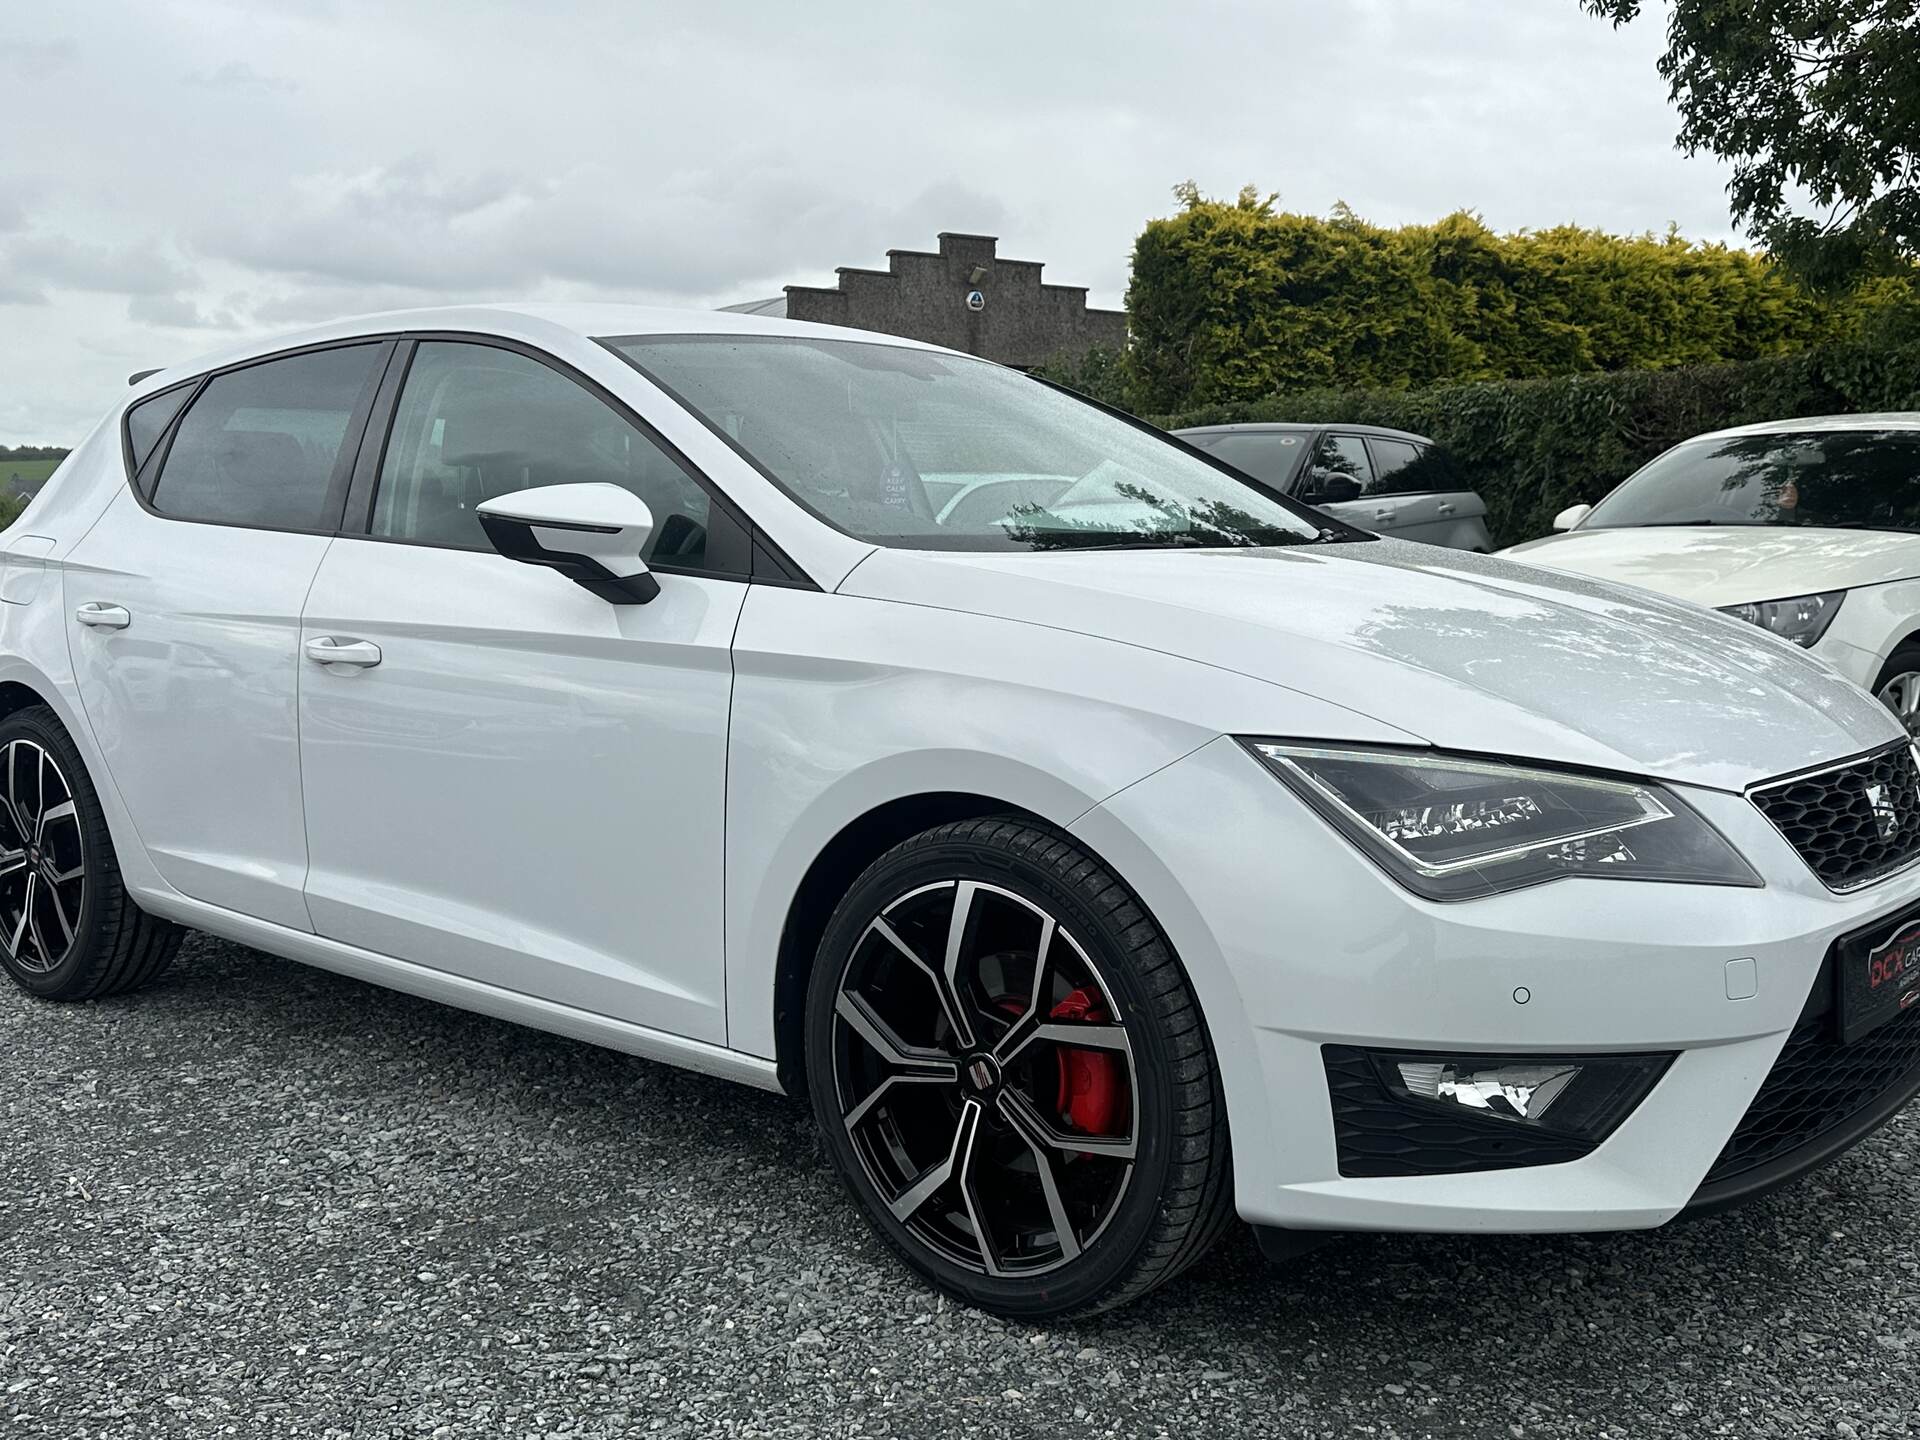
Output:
[[68, 930], [1013, 1074]]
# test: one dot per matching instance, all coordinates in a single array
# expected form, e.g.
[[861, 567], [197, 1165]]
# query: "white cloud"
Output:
[[238, 75], [178, 166]]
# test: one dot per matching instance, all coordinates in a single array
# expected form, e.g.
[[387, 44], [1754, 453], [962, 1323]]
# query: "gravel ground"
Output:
[[262, 1200]]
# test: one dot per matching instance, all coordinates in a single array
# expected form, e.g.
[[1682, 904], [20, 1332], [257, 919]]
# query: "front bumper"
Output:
[[1295, 942]]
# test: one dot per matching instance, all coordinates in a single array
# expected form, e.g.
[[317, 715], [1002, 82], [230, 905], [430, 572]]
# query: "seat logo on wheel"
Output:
[[982, 1073]]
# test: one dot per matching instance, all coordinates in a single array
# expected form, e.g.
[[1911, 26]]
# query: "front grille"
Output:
[[1852, 823], [1377, 1133], [1817, 1087]]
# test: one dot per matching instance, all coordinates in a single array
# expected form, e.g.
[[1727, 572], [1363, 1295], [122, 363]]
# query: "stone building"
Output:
[[963, 296]]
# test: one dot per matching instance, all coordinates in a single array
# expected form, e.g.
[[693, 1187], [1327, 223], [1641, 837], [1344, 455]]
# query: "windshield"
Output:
[[1855, 479], [926, 450]]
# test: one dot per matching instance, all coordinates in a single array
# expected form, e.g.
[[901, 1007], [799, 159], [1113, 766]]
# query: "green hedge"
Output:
[[1534, 447], [1232, 301]]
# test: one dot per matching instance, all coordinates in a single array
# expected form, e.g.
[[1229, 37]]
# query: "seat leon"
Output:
[[1136, 849]]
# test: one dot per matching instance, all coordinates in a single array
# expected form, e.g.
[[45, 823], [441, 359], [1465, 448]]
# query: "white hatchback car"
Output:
[[613, 671], [1807, 528]]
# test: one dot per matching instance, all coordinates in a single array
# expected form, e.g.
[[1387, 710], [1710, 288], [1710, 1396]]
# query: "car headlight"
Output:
[[1803, 619], [1453, 828]]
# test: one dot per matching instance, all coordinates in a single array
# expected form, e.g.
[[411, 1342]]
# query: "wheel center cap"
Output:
[[982, 1074]]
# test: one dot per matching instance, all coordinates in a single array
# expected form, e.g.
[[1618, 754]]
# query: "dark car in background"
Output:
[[1388, 481]]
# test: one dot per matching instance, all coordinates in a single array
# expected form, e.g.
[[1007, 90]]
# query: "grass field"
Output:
[[29, 470]]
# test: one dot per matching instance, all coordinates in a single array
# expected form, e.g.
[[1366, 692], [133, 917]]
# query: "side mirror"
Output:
[[592, 534], [1571, 516], [1329, 487]]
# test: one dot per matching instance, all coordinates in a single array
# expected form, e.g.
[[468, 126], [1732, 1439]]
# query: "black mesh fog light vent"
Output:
[[1400, 1112]]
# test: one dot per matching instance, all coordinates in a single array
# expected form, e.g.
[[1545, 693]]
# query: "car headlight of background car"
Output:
[[1453, 828], [1802, 619]]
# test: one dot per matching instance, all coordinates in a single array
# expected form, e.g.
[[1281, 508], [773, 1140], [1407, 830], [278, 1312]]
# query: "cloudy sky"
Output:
[[178, 173]]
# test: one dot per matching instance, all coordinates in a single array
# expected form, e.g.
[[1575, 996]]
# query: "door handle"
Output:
[[331, 651], [1443, 508], [1385, 514], [103, 617]]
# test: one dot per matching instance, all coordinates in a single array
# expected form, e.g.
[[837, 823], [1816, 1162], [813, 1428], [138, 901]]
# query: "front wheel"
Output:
[[1013, 1074]]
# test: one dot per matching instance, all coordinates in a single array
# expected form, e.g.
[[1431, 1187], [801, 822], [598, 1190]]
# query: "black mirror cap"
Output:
[[515, 540], [1330, 489]]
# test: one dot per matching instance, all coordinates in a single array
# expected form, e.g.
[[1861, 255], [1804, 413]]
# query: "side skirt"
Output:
[[465, 994]]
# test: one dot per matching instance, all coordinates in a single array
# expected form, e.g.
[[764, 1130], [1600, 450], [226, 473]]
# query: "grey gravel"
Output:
[[261, 1200]]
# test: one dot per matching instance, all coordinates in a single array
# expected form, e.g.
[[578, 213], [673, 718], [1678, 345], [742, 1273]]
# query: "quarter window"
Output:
[[148, 420], [262, 446], [476, 422]]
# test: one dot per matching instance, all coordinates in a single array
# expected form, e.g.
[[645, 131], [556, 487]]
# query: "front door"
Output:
[[507, 777]]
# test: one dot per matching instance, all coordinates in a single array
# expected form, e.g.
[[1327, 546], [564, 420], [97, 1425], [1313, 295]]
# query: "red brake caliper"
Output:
[[1090, 1096], [1091, 1091]]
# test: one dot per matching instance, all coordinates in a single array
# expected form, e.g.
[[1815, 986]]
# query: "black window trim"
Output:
[[743, 541], [350, 443]]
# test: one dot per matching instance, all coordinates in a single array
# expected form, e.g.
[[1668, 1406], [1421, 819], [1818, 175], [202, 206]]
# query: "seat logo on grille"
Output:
[[1885, 817]]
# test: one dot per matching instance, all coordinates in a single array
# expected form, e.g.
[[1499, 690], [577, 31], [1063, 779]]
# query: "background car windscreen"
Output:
[[1866, 479], [919, 449], [1270, 456]]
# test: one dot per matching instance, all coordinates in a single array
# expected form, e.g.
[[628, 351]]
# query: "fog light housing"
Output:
[[1583, 1097]]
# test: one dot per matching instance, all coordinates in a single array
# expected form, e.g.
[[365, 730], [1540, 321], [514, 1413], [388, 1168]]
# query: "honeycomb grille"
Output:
[[1379, 1134], [1851, 824], [1817, 1086]]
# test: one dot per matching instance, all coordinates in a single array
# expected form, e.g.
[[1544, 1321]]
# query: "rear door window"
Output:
[[267, 445], [1406, 467]]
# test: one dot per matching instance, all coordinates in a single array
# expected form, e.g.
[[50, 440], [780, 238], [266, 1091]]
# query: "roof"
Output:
[[535, 323], [1876, 420], [1294, 427]]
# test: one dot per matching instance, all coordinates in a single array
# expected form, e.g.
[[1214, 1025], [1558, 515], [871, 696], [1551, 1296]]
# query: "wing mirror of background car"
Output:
[[1571, 516], [592, 534], [1329, 487]]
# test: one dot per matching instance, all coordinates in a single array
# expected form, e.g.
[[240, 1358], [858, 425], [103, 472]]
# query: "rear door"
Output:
[[1420, 484], [184, 616]]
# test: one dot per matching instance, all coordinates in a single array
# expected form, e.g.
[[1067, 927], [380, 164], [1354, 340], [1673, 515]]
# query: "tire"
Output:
[[68, 930], [1094, 1065], [1898, 687]]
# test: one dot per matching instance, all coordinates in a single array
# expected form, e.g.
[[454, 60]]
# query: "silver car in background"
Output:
[[1388, 481]]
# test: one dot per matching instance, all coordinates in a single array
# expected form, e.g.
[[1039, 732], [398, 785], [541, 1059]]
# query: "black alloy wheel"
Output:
[[1007, 1061]]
